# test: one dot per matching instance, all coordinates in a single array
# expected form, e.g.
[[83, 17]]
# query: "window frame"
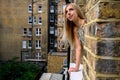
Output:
[[24, 31], [40, 20], [29, 44], [38, 55], [30, 20], [38, 44], [38, 31], [30, 8], [39, 8], [24, 44]]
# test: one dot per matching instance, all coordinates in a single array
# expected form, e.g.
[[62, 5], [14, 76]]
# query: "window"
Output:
[[40, 20], [26, 55], [56, 1], [34, 19], [51, 9], [30, 20], [55, 21], [56, 32], [51, 41], [38, 44], [56, 11], [51, 18], [24, 31], [29, 44], [39, 8], [30, 8], [38, 31], [51, 29], [30, 32], [38, 55], [55, 45], [24, 44]]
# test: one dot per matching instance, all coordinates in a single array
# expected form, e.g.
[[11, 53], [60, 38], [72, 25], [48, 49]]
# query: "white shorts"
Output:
[[76, 75]]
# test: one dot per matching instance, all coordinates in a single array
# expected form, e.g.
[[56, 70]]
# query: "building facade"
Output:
[[23, 29], [34, 43], [30, 29], [56, 24]]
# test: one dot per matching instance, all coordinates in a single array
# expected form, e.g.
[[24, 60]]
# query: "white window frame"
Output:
[[30, 8], [24, 44], [51, 9], [29, 31], [30, 20], [38, 44], [52, 30], [51, 18], [38, 55], [38, 31], [40, 8], [40, 20]]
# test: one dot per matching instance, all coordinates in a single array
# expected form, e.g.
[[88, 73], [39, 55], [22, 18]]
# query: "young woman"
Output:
[[74, 21]]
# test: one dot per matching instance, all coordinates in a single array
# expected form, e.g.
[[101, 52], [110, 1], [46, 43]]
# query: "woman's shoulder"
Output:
[[75, 29]]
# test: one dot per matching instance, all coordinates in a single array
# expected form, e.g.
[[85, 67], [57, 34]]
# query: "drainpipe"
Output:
[[68, 54], [32, 31], [68, 61]]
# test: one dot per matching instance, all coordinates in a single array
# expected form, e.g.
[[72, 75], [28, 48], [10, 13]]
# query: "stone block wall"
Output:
[[102, 40], [55, 62]]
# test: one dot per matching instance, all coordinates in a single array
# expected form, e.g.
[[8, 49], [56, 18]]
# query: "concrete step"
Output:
[[51, 76]]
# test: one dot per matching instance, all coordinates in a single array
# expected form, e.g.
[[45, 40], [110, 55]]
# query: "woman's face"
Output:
[[71, 13]]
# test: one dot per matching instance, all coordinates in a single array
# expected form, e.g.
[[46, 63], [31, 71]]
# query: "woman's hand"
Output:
[[73, 69]]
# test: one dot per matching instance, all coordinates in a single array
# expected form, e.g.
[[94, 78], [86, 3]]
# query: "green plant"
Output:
[[14, 70]]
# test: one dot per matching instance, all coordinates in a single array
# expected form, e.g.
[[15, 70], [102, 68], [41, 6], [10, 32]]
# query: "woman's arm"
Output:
[[78, 50]]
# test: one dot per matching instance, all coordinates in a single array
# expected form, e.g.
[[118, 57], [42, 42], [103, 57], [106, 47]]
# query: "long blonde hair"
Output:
[[68, 32]]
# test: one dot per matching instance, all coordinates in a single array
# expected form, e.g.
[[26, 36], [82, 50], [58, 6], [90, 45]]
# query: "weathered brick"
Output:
[[103, 29], [104, 10], [94, 69]]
